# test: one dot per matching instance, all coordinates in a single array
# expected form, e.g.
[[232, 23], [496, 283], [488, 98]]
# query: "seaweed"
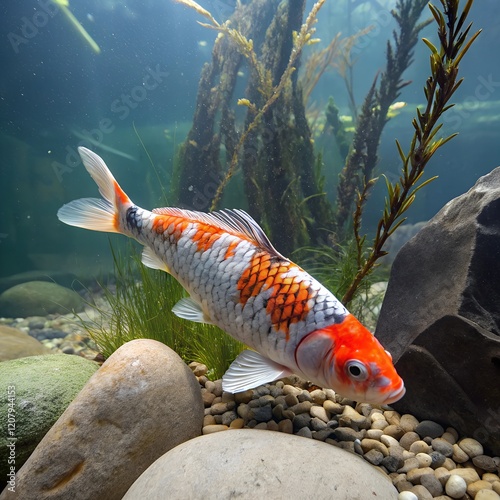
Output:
[[438, 90], [363, 157], [274, 149]]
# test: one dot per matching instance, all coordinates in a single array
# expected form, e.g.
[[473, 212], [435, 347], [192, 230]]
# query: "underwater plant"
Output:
[[438, 90], [274, 150]]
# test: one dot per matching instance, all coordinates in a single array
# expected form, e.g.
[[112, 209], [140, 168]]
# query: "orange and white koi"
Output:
[[238, 281]]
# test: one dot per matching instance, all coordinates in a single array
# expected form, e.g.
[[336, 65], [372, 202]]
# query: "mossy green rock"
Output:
[[38, 298], [42, 388]]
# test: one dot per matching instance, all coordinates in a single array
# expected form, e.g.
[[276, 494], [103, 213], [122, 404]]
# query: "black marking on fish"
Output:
[[133, 220]]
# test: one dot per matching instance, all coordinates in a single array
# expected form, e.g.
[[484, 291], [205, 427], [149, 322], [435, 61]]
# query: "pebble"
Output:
[[432, 484], [408, 423], [419, 447], [318, 396], [455, 486], [468, 474], [395, 431], [408, 439], [437, 458], [476, 486], [373, 444], [351, 415], [332, 407], [319, 412], [424, 459], [429, 428], [347, 434], [450, 437], [484, 462], [409, 464], [373, 456], [443, 446], [487, 495], [261, 413], [392, 463], [422, 492], [459, 455], [407, 495], [471, 447], [415, 475]]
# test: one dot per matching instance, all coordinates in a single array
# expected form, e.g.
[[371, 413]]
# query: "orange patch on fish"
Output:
[[162, 223], [206, 236], [230, 249], [288, 301]]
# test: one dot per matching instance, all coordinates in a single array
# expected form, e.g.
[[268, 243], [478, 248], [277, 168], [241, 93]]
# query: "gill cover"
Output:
[[314, 353]]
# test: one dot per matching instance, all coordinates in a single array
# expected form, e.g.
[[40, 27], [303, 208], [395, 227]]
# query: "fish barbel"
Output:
[[238, 281]]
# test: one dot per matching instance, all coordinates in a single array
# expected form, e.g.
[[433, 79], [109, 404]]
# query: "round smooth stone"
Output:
[[455, 487], [472, 447]]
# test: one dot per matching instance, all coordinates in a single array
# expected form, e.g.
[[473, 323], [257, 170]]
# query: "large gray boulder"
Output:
[[250, 463], [142, 402], [39, 389], [441, 315], [39, 298]]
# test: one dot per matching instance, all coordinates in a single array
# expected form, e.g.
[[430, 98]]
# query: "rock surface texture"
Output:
[[37, 298], [127, 415], [16, 344], [249, 463], [441, 315], [40, 389]]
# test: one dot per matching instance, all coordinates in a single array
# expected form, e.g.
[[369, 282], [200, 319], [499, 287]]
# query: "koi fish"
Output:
[[238, 281]]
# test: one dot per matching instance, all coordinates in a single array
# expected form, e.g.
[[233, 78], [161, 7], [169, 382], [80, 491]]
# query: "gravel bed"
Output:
[[422, 459]]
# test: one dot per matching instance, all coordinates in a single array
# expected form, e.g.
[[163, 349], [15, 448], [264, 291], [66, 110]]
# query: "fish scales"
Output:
[[239, 282], [279, 300]]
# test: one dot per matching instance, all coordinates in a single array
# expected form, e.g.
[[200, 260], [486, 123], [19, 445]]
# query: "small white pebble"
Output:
[[456, 486], [407, 495]]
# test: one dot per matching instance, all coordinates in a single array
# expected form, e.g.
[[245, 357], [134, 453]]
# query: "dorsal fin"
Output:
[[234, 221]]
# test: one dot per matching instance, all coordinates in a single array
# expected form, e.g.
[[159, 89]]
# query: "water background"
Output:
[[53, 86]]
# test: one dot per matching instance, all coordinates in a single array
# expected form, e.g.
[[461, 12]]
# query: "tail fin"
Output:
[[93, 213]]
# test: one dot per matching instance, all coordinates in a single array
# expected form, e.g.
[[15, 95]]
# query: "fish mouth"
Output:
[[395, 395]]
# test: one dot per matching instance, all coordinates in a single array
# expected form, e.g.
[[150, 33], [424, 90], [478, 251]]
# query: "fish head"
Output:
[[350, 360], [361, 368]]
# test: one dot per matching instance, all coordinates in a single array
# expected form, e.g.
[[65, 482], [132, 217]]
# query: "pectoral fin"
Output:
[[191, 310], [151, 260], [249, 370]]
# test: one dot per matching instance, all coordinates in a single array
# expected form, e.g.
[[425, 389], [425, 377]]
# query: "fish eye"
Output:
[[356, 370]]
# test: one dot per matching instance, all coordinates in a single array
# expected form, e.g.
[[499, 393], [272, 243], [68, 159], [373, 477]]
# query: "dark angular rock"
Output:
[[441, 316]]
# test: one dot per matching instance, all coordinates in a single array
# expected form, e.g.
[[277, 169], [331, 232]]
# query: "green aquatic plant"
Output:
[[274, 148], [140, 304], [362, 159], [438, 90]]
